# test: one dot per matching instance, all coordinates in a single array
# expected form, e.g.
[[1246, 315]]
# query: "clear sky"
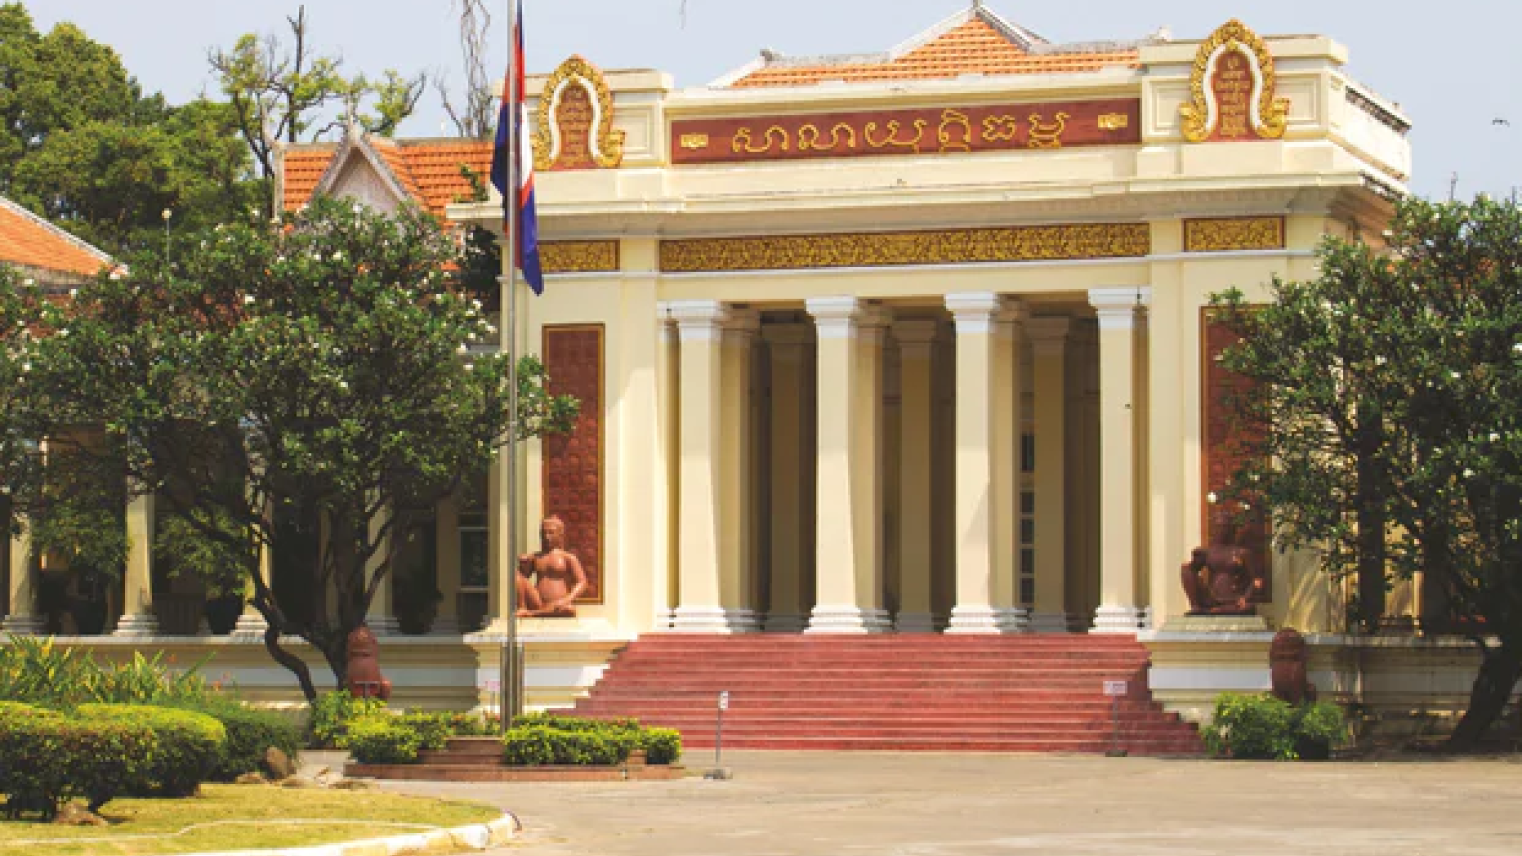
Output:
[[1453, 66]]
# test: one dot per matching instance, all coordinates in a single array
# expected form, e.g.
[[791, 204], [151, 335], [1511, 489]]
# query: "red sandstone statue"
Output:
[[1219, 579], [560, 576], [364, 675], [1286, 667]]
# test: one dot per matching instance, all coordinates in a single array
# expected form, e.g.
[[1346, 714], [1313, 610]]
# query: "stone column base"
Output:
[[786, 622], [1049, 622], [1117, 619], [445, 625], [251, 625], [987, 619], [141, 624], [714, 619], [848, 619], [914, 622], [1216, 624], [23, 625], [383, 625]]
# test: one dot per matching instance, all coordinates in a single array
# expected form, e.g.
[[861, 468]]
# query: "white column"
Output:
[[848, 589], [23, 618], [985, 509], [251, 624], [138, 617], [663, 577], [700, 556], [1049, 352], [1118, 309], [446, 565], [380, 618], [787, 344], [736, 533], [915, 337]]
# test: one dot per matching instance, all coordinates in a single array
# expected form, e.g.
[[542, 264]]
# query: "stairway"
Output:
[[1016, 693]]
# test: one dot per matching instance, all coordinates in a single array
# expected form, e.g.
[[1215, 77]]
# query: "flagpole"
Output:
[[512, 664]]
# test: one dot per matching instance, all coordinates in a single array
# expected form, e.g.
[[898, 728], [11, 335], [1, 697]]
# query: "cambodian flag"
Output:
[[510, 144]]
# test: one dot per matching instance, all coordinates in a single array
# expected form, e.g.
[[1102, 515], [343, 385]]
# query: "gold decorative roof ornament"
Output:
[[1231, 89], [575, 120]]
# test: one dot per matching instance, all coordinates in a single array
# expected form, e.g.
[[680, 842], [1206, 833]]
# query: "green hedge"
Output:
[[191, 746], [382, 739], [46, 758], [1264, 727], [333, 713], [250, 733], [541, 738], [433, 729]]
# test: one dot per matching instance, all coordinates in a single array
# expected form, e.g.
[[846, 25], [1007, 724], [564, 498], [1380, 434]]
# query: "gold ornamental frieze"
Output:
[[883, 249], [917, 131], [1232, 89], [575, 121], [579, 256], [1233, 233]]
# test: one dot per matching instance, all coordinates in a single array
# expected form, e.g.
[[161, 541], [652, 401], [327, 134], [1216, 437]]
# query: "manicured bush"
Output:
[[533, 745], [22, 710], [1264, 727], [250, 732], [433, 729], [333, 713], [661, 745], [191, 746], [46, 758], [382, 739]]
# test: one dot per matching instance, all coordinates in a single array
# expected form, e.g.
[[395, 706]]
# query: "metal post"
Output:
[[512, 672], [718, 771]]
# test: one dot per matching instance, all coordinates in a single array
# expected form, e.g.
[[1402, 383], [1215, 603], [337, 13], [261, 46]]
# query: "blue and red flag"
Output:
[[511, 147]]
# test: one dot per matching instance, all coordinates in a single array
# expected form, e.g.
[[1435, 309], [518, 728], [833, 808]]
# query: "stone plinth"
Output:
[[1216, 624]]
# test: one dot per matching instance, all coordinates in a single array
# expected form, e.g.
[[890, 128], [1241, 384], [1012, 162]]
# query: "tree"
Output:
[[81, 145], [281, 93], [317, 369], [474, 118], [1386, 421]]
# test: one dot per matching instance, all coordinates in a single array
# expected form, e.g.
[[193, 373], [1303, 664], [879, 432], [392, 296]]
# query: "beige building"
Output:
[[907, 342]]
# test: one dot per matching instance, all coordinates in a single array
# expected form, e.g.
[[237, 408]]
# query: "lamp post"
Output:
[[168, 213]]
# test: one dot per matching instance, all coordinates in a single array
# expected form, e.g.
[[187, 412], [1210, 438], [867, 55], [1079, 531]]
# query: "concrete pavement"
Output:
[[934, 804]]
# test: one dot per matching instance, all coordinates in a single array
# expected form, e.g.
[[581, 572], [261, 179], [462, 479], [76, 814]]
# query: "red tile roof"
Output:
[[982, 44], [427, 170], [30, 241]]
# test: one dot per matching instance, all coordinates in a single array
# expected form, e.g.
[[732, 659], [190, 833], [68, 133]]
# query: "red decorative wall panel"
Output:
[[571, 478]]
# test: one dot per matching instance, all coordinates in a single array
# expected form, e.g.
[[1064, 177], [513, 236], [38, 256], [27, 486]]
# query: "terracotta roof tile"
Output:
[[30, 241], [973, 47], [428, 170]]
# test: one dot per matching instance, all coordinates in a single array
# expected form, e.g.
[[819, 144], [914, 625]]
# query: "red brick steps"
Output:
[[1018, 693]]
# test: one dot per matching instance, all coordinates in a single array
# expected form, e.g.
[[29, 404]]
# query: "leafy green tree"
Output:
[[320, 369], [81, 145], [1386, 422]]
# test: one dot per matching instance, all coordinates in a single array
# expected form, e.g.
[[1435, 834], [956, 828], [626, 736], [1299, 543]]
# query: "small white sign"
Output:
[[1115, 688], [724, 700]]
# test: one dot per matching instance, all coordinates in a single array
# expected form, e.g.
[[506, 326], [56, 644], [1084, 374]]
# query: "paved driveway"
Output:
[[923, 804]]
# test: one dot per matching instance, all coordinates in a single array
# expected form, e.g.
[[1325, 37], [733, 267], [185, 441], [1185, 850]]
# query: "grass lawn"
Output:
[[240, 817]]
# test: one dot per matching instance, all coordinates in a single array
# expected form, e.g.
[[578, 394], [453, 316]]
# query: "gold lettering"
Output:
[[808, 138], [694, 141], [1046, 136], [891, 139], [951, 122], [742, 141], [1114, 121], [997, 128]]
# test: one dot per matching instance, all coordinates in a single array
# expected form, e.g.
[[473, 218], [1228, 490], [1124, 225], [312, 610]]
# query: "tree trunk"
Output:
[[1371, 526], [1499, 671]]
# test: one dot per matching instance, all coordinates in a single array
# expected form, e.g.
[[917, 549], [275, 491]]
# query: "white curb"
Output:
[[477, 836]]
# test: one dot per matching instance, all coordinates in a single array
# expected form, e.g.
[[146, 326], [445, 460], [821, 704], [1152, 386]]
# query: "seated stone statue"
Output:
[[363, 675], [1219, 579], [550, 580], [1287, 657]]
